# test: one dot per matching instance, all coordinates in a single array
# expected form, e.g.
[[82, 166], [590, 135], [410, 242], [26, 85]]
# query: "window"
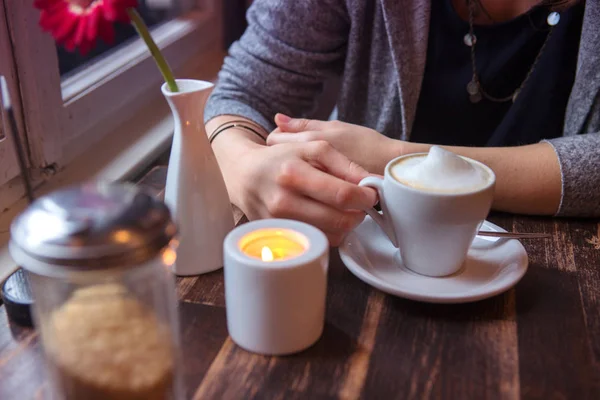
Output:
[[67, 103]]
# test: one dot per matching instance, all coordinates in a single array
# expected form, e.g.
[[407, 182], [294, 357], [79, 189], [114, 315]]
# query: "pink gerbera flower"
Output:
[[79, 23]]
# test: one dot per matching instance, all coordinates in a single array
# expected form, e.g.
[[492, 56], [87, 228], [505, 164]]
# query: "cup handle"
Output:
[[381, 219]]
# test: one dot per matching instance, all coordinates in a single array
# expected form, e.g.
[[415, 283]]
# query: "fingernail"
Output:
[[283, 118], [373, 196]]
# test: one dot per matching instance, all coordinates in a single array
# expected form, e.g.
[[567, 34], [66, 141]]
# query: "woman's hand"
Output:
[[364, 146], [310, 182]]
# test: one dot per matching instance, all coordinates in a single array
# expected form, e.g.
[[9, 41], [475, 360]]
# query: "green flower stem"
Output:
[[162, 64]]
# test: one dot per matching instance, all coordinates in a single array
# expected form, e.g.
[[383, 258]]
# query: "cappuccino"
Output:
[[441, 171]]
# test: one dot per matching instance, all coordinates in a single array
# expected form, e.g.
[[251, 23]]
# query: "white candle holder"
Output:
[[275, 307]]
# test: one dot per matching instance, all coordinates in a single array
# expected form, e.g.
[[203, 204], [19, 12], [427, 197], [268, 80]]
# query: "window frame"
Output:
[[9, 167], [113, 149], [110, 90]]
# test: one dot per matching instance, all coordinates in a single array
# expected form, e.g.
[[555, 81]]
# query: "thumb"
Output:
[[294, 125]]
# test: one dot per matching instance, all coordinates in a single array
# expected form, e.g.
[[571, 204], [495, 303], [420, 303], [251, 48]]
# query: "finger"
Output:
[[335, 240], [336, 237], [303, 178], [324, 156], [288, 124], [279, 138], [334, 222]]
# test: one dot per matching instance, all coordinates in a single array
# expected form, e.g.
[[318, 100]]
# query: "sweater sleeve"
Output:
[[281, 62], [579, 158]]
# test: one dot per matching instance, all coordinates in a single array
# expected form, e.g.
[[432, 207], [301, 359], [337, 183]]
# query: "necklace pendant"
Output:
[[473, 88], [475, 98], [553, 18], [470, 40], [474, 92]]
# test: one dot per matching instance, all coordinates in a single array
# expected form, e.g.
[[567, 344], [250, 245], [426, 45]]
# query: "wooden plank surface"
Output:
[[539, 340], [22, 373]]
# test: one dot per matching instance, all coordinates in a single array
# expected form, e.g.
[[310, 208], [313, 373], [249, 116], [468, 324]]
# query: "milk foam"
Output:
[[440, 171]]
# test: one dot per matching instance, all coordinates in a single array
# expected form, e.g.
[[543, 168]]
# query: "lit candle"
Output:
[[275, 285], [273, 244]]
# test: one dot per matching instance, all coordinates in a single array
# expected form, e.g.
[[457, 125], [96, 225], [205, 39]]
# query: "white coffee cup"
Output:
[[433, 229]]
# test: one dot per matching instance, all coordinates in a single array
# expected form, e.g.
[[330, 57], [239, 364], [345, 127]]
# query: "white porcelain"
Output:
[[195, 190], [278, 307], [433, 231], [492, 266]]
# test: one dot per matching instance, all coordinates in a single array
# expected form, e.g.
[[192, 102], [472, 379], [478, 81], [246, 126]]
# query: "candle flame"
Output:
[[266, 254]]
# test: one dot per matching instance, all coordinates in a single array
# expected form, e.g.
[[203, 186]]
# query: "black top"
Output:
[[505, 53]]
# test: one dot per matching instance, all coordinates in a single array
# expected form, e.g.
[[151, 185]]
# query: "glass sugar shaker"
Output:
[[98, 260]]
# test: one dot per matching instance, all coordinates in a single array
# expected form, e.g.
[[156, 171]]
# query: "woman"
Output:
[[512, 83]]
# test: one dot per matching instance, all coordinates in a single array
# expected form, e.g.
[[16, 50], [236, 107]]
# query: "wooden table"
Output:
[[539, 340]]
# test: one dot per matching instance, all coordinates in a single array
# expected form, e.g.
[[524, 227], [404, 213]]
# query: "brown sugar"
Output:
[[104, 344]]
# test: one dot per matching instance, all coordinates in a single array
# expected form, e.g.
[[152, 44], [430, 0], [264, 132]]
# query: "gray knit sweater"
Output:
[[378, 48]]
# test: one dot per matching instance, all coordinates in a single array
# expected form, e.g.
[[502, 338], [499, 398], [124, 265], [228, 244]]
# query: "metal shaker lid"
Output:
[[92, 226]]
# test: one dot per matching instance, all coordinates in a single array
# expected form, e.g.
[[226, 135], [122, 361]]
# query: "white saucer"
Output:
[[493, 266]]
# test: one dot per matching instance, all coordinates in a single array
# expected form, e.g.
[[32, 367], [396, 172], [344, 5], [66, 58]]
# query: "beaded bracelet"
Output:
[[234, 124]]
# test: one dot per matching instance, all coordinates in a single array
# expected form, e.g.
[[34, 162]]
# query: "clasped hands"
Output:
[[309, 171], [364, 146]]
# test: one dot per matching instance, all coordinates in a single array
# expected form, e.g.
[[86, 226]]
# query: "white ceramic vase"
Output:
[[195, 191]]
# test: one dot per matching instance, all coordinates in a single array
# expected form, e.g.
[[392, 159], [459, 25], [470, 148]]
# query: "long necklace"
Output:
[[474, 87]]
